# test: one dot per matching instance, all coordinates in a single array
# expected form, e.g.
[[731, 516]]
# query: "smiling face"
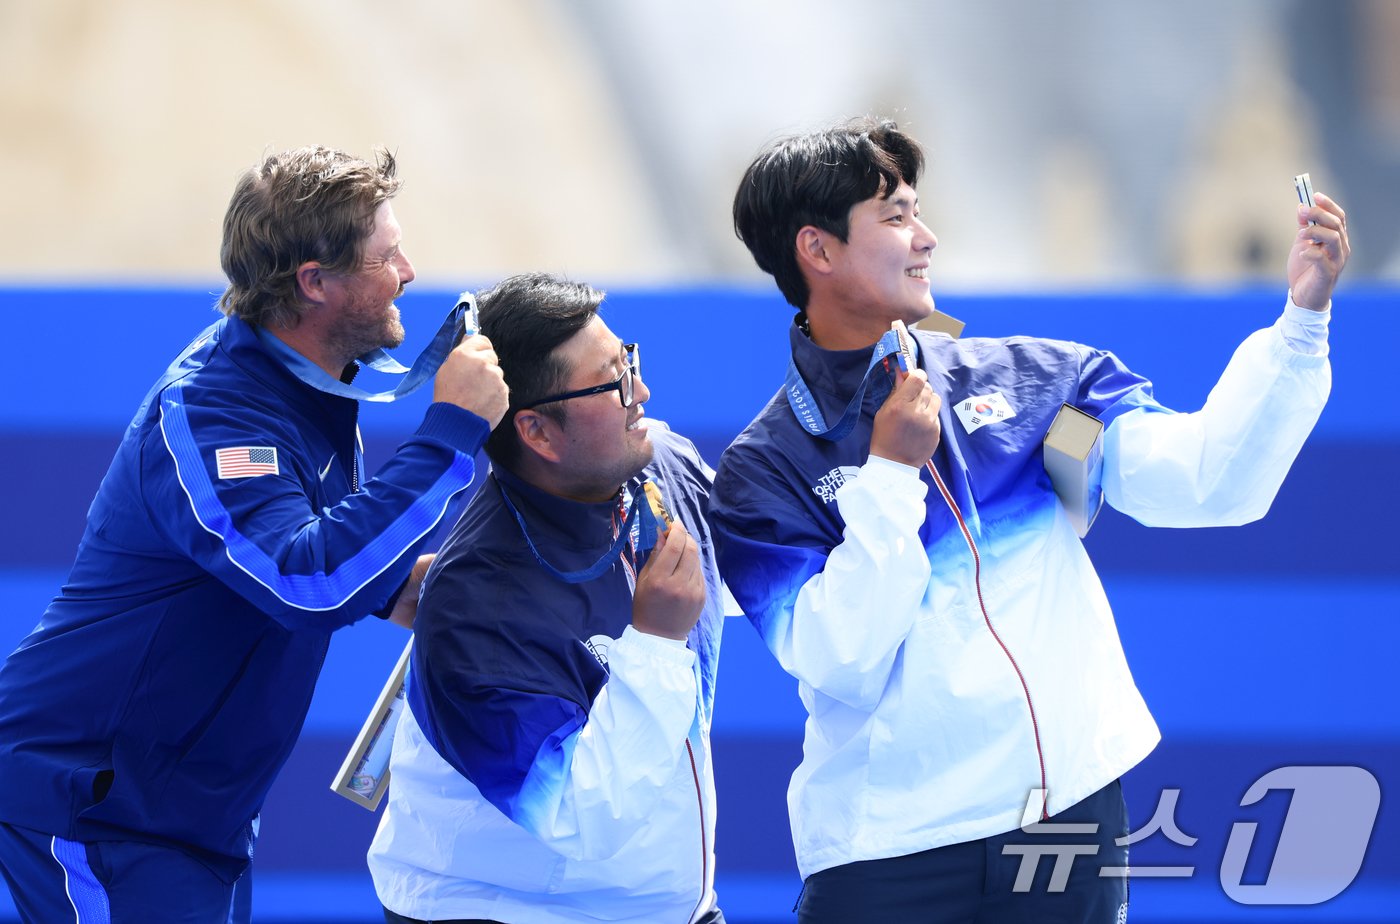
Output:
[[368, 317], [600, 444], [879, 274]]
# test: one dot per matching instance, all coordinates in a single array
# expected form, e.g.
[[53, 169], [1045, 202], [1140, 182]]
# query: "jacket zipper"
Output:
[[355, 452], [986, 618], [704, 844]]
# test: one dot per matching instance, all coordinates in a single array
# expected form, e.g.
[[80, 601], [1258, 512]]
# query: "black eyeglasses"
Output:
[[625, 384]]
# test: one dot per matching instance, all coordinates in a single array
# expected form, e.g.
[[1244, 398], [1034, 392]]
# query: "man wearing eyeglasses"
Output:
[[553, 764]]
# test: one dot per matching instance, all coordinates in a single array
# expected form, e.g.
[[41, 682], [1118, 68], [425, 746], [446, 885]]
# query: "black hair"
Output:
[[815, 179], [527, 317]]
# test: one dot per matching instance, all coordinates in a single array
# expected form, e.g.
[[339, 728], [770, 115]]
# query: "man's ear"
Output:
[[311, 282], [814, 250], [537, 434]]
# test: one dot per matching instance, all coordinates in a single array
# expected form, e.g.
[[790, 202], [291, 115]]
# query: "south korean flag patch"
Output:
[[976, 412]]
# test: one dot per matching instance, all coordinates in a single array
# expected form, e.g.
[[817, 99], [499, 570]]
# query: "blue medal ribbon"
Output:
[[460, 322], [809, 413], [598, 567]]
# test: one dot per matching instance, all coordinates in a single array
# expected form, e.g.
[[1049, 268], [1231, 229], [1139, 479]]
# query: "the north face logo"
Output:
[[826, 487], [599, 645]]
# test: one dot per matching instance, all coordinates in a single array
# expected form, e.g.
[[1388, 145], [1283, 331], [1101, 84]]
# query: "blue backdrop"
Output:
[[1258, 647]]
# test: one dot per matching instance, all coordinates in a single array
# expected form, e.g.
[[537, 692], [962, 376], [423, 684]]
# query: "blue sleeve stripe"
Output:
[[304, 591], [85, 893]]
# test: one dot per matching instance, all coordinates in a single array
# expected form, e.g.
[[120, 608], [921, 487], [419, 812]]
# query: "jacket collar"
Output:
[[560, 521], [246, 347], [834, 375]]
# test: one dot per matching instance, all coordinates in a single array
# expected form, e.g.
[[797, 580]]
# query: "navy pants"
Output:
[[1011, 878], [115, 882]]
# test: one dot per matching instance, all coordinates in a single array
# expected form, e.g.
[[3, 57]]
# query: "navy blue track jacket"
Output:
[[553, 764], [166, 684]]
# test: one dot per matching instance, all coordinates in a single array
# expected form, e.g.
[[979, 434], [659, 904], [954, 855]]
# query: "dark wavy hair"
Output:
[[815, 179], [311, 203], [527, 317]]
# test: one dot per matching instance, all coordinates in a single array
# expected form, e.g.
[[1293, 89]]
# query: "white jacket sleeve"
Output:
[[848, 621], [618, 765], [1222, 465]]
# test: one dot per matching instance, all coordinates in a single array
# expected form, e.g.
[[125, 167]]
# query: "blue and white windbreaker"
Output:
[[166, 684], [931, 722], [554, 763]]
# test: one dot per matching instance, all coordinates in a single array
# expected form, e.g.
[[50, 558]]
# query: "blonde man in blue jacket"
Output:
[[144, 720]]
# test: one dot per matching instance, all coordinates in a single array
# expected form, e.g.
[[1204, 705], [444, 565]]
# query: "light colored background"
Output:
[[1077, 143]]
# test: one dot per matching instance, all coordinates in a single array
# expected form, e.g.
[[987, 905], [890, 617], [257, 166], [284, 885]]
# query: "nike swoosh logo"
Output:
[[327, 469]]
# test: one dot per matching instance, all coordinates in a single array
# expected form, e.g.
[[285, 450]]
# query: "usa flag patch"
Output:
[[246, 461]]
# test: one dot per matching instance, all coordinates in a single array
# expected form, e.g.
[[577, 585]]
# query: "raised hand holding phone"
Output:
[[1320, 250]]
